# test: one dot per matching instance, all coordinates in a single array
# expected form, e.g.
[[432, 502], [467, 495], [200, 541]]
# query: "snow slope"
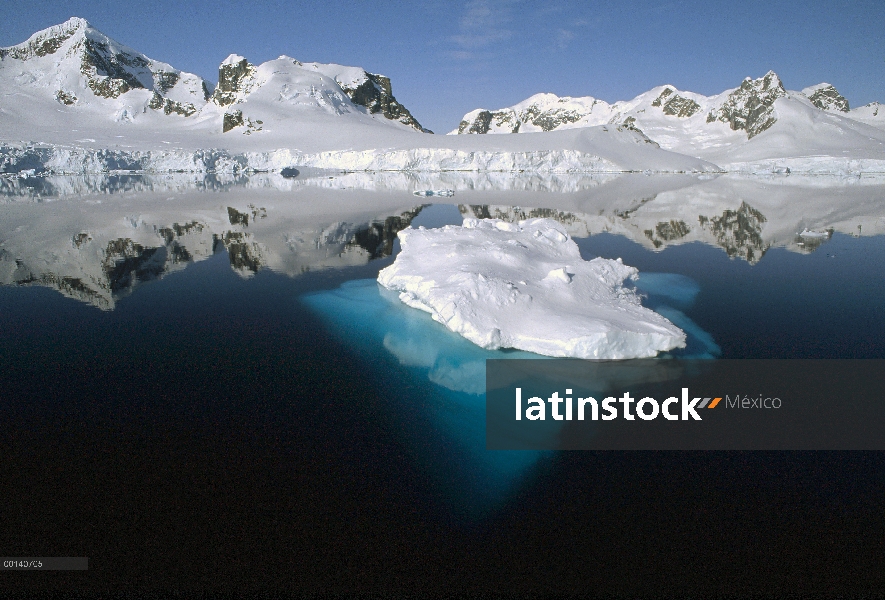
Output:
[[757, 127], [525, 286]]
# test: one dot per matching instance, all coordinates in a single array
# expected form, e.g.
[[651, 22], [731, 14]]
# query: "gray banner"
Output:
[[567, 404]]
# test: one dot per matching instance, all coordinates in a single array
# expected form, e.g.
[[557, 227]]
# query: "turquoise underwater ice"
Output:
[[413, 352]]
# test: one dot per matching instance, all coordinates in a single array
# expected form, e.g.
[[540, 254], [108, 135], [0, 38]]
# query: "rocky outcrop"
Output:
[[234, 77], [826, 97], [66, 98], [376, 94], [509, 120], [127, 262], [169, 107], [234, 118], [739, 232], [110, 74], [245, 255], [675, 105], [377, 237], [750, 108], [480, 123]]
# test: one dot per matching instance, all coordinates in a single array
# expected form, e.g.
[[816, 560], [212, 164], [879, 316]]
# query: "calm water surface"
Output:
[[202, 386]]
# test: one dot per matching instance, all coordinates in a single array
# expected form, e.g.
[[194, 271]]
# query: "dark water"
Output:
[[286, 432]]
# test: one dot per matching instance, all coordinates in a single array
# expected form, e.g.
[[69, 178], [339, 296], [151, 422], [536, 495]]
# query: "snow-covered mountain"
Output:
[[73, 72], [759, 124], [73, 100]]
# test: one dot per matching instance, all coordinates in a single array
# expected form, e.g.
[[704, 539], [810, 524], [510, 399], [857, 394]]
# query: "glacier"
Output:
[[524, 285]]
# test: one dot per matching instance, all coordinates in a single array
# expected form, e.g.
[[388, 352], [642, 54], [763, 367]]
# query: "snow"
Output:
[[300, 115], [804, 138], [234, 59], [294, 115], [524, 285], [814, 234], [312, 219]]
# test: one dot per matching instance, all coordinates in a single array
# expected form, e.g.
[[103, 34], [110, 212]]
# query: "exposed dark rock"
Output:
[[750, 107], [515, 214], [66, 98], [550, 120], [828, 98], [378, 237], [235, 119], [179, 253], [258, 212], [672, 230], [127, 262], [650, 234], [165, 80], [177, 230], [230, 82], [546, 120], [663, 96], [875, 107], [244, 255], [629, 124], [236, 217], [80, 239], [106, 72], [675, 105], [681, 107], [626, 214], [171, 106], [232, 120], [480, 124], [375, 93], [289, 172], [739, 232], [73, 287]]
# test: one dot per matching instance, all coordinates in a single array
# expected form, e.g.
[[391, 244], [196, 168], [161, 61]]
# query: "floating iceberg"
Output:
[[525, 286], [445, 193]]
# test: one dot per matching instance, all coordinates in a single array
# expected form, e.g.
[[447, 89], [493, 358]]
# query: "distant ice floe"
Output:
[[525, 286]]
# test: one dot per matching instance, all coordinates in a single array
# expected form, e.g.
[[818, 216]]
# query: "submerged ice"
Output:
[[525, 286]]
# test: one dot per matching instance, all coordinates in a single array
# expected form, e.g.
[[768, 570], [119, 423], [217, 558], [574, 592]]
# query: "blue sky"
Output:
[[448, 57]]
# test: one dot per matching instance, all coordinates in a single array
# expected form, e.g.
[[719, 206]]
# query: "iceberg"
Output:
[[524, 285]]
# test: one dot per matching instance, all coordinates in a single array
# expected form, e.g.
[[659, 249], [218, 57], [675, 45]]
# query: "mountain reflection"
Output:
[[96, 238]]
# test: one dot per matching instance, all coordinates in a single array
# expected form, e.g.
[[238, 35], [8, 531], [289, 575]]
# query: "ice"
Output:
[[524, 285], [441, 378]]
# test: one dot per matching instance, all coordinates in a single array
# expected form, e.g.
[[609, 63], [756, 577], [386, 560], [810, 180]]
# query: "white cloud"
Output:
[[482, 24], [563, 37]]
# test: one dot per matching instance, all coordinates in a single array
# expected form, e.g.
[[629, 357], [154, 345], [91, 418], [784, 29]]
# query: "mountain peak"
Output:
[[751, 106], [75, 23], [233, 59], [46, 41], [826, 97]]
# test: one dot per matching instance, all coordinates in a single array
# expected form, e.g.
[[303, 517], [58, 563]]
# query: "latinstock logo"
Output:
[[580, 409]]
